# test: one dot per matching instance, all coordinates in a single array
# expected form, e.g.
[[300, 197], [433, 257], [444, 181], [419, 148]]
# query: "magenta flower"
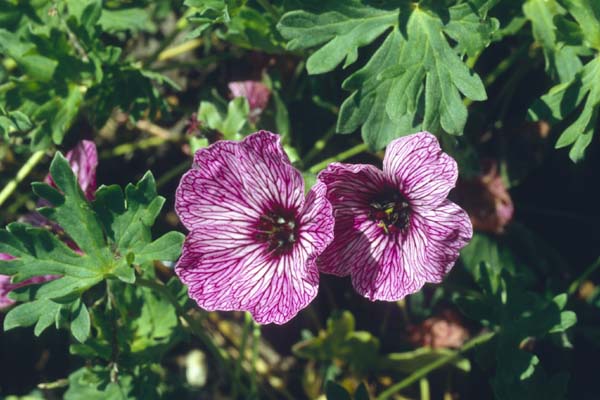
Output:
[[254, 237], [395, 229], [83, 159], [255, 92]]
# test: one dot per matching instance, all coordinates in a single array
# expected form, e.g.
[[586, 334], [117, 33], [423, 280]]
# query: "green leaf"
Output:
[[27, 56], [80, 325], [564, 99], [38, 253], [211, 12], [111, 234], [126, 19], [95, 384], [29, 313], [560, 59], [237, 116], [340, 30], [410, 361], [413, 81], [587, 15], [73, 213], [232, 125], [127, 218], [165, 248]]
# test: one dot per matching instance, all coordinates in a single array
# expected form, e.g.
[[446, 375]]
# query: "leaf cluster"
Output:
[[60, 57], [416, 76]]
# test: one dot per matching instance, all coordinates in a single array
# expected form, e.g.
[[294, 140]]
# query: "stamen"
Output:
[[277, 228], [390, 211]]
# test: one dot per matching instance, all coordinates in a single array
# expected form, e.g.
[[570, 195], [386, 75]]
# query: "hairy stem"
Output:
[[440, 362], [21, 174]]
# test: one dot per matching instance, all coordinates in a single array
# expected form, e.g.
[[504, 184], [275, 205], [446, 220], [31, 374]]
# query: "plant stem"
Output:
[[196, 328], [319, 145], [242, 356], [172, 173], [589, 270], [339, 157], [179, 49], [21, 174], [128, 148], [424, 389], [255, 341], [440, 362]]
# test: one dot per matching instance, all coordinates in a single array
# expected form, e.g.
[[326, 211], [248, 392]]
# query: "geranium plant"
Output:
[[280, 199]]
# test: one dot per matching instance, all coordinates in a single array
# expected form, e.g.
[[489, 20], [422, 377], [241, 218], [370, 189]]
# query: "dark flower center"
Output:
[[391, 211], [279, 229]]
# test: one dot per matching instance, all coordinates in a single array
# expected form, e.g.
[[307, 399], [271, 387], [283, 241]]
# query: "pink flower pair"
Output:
[[257, 243]]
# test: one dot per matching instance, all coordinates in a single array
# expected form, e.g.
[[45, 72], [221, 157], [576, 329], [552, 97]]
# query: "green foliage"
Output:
[[231, 124], [520, 316], [243, 25], [341, 341], [413, 80], [112, 236], [577, 98], [60, 64]]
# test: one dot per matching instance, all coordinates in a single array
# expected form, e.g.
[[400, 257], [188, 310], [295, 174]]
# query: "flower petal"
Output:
[[439, 234], [256, 93], [225, 269], [350, 188], [420, 169], [382, 272], [235, 181], [316, 221], [393, 266]]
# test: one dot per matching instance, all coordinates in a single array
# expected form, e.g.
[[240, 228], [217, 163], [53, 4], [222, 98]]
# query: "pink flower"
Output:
[[255, 92], [254, 237], [83, 159], [395, 229], [486, 200], [6, 286]]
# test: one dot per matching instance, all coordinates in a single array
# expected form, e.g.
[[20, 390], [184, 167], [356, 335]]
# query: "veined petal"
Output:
[[398, 265], [418, 167], [226, 269], [316, 221], [237, 181], [383, 272], [440, 233], [350, 188]]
